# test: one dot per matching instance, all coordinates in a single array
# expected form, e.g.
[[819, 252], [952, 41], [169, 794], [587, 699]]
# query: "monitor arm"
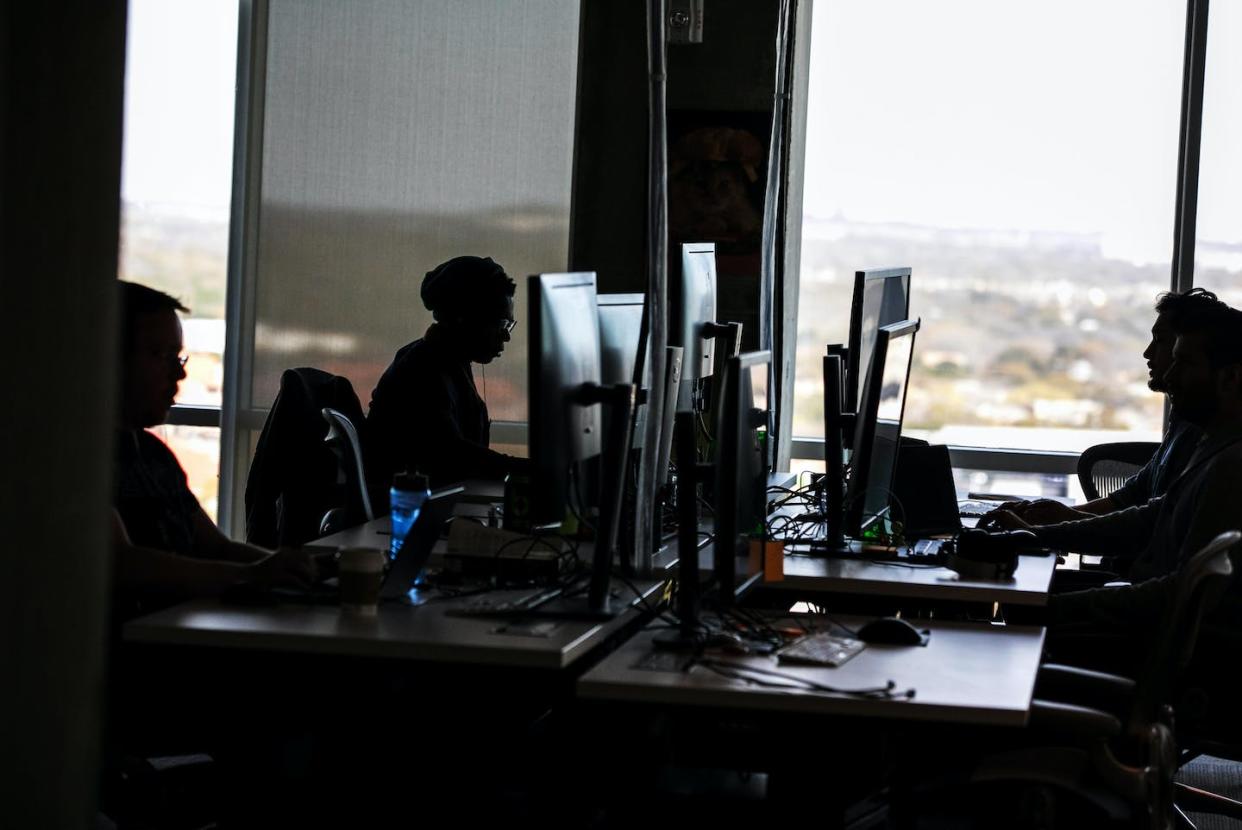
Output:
[[730, 333], [836, 422]]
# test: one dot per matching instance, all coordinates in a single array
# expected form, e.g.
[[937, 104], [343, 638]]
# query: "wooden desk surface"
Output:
[[811, 574], [399, 631], [968, 674]]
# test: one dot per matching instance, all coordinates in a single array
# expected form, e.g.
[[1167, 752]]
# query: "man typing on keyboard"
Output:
[[1204, 384], [1175, 314], [166, 547]]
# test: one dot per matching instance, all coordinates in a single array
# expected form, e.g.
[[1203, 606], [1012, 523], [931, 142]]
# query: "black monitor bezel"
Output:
[[853, 369], [865, 425]]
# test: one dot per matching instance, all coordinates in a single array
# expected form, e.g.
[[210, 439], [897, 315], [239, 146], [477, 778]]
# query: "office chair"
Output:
[[1114, 738], [1208, 720], [1103, 468], [343, 439], [296, 477]]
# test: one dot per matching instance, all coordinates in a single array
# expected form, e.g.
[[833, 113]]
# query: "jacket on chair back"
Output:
[[293, 480]]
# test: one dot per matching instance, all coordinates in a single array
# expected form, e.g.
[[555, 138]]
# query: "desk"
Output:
[[815, 574], [968, 673], [398, 632]]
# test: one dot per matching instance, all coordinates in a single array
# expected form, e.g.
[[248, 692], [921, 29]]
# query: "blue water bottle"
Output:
[[409, 491]]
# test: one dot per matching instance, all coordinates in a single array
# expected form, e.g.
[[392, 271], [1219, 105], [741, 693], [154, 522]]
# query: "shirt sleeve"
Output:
[[1122, 533], [1216, 505]]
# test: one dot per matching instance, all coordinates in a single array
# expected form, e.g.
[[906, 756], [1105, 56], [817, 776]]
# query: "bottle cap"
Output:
[[410, 481]]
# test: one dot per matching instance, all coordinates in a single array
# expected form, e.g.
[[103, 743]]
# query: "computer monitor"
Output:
[[877, 431], [564, 356], [695, 310], [742, 429], [740, 491], [881, 298], [620, 327], [672, 382]]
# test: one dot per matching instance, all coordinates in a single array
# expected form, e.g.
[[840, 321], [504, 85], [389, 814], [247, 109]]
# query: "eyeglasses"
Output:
[[172, 357], [508, 325]]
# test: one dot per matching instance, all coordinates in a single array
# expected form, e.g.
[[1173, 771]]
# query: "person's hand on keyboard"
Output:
[[1001, 519], [1036, 512]]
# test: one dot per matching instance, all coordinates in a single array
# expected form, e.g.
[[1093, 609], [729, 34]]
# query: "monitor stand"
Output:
[[596, 604], [687, 636]]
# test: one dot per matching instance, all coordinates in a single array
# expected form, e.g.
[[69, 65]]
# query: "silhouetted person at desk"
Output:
[[166, 547], [426, 413], [1204, 384], [1176, 313]]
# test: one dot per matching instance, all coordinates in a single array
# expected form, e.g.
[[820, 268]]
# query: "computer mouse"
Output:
[[1023, 538], [892, 631]]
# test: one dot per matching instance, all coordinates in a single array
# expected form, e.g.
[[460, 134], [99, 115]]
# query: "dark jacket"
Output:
[[294, 477], [426, 416], [1165, 466]]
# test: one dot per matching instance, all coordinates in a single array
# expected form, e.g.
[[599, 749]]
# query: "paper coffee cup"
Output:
[[360, 572]]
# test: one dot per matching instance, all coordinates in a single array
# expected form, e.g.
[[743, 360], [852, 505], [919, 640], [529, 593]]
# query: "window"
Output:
[[1218, 244], [396, 136], [176, 180], [1022, 160]]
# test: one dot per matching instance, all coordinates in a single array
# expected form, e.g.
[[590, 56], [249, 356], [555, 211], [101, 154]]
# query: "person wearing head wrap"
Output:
[[426, 413]]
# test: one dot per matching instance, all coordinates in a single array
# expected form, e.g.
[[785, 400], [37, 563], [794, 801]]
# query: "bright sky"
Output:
[[180, 70], [1059, 115]]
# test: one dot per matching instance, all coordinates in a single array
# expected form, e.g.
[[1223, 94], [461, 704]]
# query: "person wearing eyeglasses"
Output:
[[426, 413], [166, 548]]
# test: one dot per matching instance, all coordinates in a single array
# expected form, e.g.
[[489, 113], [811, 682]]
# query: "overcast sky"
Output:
[[1058, 115]]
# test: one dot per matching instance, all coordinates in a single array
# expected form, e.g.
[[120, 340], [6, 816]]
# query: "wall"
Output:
[[61, 82]]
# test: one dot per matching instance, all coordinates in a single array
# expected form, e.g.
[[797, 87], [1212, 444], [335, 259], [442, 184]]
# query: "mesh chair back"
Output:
[[1199, 586], [343, 439], [1102, 469]]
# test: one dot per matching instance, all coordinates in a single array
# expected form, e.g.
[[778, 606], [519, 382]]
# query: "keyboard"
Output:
[[975, 508], [820, 650], [489, 605], [922, 552]]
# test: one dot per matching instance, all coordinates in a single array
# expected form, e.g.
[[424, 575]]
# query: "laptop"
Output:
[[416, 550], [924, 487], [400, 577]]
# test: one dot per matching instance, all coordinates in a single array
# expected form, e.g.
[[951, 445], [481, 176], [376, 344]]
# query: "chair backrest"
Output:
[[1198, 585], [343, 439], [1102, 469], [295, 477]]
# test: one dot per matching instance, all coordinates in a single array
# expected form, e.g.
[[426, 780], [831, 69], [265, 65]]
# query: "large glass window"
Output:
[[396, 136], [176, 180], [1218, 248], [1021, 158]]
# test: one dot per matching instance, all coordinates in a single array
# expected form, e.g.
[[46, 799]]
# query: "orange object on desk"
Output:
[[769, 556]]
